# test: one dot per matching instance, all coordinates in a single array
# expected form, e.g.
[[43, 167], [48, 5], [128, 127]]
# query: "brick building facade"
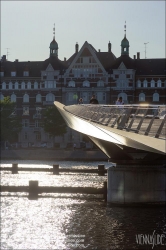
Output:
[[37, 84]]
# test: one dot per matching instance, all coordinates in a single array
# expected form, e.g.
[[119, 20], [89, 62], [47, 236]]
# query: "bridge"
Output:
[[133, 137]]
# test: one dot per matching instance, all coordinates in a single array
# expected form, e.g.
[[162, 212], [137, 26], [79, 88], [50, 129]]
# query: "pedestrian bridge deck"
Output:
[[148, 120], [127, 127]]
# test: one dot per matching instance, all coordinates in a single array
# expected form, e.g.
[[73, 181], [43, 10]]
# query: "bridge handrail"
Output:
[[146, 119]]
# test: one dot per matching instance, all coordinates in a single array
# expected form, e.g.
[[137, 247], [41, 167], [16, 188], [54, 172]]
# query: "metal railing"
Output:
[[148, 120]]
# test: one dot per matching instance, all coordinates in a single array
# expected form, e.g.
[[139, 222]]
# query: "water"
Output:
[[71, 221]]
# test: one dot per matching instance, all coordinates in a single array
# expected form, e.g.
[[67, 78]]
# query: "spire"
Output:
[[54, 45], [125, 44], [125, 29], [54, 32]]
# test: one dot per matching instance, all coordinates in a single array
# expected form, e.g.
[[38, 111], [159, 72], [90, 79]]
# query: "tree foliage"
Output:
[[53, 122], [10, 123]]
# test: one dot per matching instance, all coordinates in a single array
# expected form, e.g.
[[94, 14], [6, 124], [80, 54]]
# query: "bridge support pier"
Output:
[[136, 185]]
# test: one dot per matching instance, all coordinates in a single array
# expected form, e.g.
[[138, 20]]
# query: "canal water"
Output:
[[73, 221]]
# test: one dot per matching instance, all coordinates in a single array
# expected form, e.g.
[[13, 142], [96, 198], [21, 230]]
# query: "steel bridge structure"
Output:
[[132, 133]]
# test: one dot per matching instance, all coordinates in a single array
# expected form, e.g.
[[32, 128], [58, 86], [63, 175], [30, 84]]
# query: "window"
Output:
[[26, 98], [13, 98], [10, 85], [141, 97], [71, 84], [70, 96], [1, 97], [159, 83], [25, 135], [25, 123], [155, 97], [4, 85], [1, 74], [38, 136], [13, 73], [29, 85], [50, 84], [37, 124], [25, 110], [101, 96], [23, 85], [145, 84], [35, 85], [16, 85], [38, 110], [38, 98], [100, 83], [26, 73], [50, 97], [138, 83], [86, 84], [152, 83]]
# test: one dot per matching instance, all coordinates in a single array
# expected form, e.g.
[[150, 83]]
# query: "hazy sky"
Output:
[[27, 27]]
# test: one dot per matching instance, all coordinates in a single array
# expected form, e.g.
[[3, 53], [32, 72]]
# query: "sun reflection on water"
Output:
[[69, 221]]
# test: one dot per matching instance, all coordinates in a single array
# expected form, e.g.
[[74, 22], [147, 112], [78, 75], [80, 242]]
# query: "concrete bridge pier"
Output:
[[136, 184]]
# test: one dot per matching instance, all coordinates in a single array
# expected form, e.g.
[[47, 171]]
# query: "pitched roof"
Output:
[[150, 66], [33, 67], [106, 58], [55, 62]]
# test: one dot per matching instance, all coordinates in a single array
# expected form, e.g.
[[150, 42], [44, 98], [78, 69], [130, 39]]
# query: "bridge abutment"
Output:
[[136, 184]]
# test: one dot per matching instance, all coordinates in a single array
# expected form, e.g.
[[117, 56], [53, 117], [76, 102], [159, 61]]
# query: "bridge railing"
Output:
[[148, 120]]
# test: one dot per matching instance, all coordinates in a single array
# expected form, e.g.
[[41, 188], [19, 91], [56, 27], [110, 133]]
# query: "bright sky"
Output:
[[27, 27]]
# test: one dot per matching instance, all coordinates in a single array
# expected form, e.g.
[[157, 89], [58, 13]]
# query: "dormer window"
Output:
[[26, 73], [13, 73]]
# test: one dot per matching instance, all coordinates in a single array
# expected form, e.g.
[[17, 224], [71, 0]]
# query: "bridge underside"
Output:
[[121, 154]]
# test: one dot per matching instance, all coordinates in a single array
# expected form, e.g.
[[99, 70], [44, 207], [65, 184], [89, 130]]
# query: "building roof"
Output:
[[34, 67], [155, 66], [106, 58], [56, 63], [128, 62]]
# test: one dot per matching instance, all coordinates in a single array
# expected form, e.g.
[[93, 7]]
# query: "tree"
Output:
[[53, 122], [10, 124]]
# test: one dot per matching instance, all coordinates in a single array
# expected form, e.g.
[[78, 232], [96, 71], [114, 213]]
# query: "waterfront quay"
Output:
[[54, 154]]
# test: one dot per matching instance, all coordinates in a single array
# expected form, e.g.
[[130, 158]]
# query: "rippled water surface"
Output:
[[72, 221]]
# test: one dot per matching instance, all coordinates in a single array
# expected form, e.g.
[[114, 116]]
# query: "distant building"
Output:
[[37, 84]]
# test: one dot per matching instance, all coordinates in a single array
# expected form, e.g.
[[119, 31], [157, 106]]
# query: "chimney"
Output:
[[109, 47], [76, 47], [4, 58], [99, 50], [138, 55], [16, 60], [65, 59], [134, 57]]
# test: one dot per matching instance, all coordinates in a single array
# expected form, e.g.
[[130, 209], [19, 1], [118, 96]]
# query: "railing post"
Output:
[[56, 169], [15, 168], [33, 190], [101, 170], [105, 191]]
